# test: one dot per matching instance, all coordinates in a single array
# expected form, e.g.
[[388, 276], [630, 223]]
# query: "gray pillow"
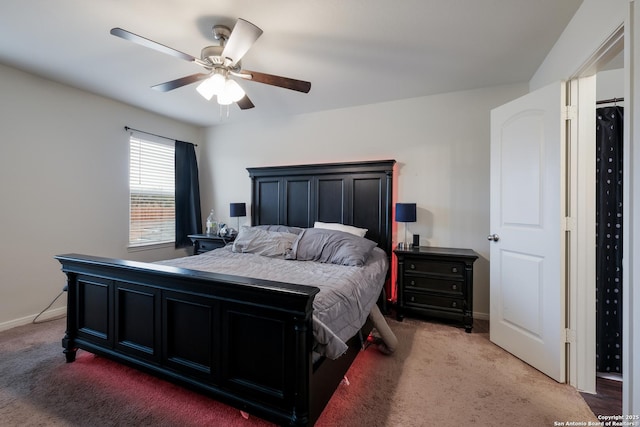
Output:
[[263, 242], [282, 228], [331, 246]]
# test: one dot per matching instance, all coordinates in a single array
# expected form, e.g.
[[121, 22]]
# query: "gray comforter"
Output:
[[347, 293]]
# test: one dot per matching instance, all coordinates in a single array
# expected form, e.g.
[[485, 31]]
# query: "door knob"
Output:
[[493, 237]]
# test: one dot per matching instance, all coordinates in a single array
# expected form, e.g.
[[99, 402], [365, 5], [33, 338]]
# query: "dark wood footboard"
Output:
[[243, 341]]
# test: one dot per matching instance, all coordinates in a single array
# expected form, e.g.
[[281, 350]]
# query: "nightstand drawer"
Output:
[[207, 242], [455, 269], [423, 301], [436, 282], [209, 245], [420, 283]]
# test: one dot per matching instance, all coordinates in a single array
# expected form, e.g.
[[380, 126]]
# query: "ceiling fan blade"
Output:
[[245, 103], [285, 82], [119, 32], [242, 37], [183, 81]]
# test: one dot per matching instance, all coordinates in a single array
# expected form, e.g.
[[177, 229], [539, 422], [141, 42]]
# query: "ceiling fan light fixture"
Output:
[[232, 93], [219, 61], [214, 85]]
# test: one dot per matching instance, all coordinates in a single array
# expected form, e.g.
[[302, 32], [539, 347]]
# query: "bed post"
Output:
[[68, 343], [304, 369]]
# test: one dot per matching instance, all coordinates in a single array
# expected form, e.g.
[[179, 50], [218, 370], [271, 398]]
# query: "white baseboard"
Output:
[[47, 315], [480, 316]]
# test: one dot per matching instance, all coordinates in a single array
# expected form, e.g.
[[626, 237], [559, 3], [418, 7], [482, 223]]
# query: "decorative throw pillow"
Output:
[[331, 246], [263, 242]]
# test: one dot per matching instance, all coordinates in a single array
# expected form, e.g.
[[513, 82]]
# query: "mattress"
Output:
[[340, 309]]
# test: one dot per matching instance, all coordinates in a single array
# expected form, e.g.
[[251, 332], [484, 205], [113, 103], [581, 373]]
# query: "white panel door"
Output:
[[527, 312]]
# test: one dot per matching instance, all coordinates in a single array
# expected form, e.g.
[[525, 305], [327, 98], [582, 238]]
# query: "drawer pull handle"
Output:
[[413, 299], [454, 286], [454, 269], [454, 304], [412, 266], [413, 283]]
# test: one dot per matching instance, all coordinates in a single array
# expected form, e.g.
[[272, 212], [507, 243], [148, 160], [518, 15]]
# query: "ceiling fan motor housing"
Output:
[[212, 54], [221, 32]]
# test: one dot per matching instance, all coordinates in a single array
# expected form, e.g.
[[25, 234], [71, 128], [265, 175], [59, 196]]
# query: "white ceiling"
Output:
[[353, 52]]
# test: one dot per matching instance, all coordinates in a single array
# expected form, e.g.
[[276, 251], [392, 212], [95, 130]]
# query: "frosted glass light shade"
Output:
[[232, 93], [211, 86]]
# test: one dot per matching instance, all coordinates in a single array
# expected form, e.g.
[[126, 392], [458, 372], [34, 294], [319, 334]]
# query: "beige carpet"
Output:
[[439, 376]]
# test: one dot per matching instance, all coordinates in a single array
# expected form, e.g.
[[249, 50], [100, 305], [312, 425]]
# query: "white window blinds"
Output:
[[152, 192]]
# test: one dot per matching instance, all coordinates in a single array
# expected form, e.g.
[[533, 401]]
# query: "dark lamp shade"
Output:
[[405, 212], [237, 209]]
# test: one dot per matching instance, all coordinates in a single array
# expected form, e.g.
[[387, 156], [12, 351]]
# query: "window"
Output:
[[152, 210]]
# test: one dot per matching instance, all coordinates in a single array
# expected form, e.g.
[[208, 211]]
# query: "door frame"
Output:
[[581, 258]]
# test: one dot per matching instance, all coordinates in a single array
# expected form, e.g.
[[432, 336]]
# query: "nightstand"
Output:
[[436, 282], [207, 242]]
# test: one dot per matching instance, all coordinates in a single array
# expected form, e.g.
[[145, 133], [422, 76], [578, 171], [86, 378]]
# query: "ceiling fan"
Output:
[[221, 63]]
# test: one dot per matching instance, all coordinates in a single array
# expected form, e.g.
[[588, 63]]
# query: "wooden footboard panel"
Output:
[[243, 341]]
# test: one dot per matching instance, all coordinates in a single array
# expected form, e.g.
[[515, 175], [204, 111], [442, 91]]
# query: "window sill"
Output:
[[150, 247]]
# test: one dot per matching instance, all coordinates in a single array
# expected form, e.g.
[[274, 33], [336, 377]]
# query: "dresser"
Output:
[[207, 242], [436, 282]]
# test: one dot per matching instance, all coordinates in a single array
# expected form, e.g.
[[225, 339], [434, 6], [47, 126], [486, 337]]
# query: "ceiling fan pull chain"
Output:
[[224, 112]]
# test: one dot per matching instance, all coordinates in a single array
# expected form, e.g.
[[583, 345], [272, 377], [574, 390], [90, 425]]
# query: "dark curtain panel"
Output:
[[188, 216], [609, 122]]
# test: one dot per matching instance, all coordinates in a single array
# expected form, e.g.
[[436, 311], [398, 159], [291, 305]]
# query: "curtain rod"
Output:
[[609, 101], [127, 128]]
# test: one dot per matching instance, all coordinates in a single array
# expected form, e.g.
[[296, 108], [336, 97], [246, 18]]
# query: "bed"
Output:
[[246, 341]]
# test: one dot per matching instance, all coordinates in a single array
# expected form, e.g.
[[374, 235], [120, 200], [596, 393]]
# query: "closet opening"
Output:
[[609, 204], [609, 242]]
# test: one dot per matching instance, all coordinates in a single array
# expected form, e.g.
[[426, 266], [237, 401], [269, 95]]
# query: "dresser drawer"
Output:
[[424, 301], [421, 283], [450, 268]]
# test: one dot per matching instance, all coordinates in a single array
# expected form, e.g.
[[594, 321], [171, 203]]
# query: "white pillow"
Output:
[[360, 232]]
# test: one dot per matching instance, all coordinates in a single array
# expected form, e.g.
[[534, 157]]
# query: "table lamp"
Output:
[[405, 212], [236, 210]]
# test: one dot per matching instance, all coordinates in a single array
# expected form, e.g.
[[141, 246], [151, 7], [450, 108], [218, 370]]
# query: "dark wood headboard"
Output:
[[358, 194]]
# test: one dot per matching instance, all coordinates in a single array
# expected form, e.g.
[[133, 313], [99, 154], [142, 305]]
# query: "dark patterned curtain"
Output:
[[188, 216], [609, 122]]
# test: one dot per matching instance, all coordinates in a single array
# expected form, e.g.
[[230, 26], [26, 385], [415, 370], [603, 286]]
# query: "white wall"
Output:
[[589, 28], [610, 84], [63, 185], [441, 144]]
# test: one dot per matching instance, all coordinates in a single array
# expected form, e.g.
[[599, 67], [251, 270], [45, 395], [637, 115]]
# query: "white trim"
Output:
[[582, 289], [631, 197], [47, 315], [609, 49], [582, 285], [480, 316]]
